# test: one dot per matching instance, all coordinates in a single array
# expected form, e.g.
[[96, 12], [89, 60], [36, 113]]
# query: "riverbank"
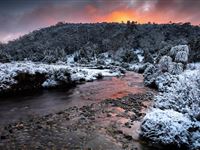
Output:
[[22, 77]]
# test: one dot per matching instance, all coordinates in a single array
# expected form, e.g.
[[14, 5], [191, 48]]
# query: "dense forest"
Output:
[[88, 40]]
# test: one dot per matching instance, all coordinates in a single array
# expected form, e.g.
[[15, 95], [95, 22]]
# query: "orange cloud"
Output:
[[122, 16]]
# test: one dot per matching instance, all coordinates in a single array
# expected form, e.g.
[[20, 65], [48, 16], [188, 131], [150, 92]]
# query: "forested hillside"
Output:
[[56, 42]]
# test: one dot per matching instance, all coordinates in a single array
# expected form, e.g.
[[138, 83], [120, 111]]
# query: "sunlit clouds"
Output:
[[23, 16]]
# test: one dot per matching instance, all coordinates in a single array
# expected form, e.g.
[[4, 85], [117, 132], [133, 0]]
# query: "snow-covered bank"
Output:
[[183, 95], [174, 120], [36, 75]]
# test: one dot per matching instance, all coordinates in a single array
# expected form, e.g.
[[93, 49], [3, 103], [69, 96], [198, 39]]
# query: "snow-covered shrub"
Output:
[[167, 127], [196, 139], [165, 63], [181, 57], [130, 57], [174, 50], [164, 80], [174, 119], [23, 75], [18, 76], [140, 68], [55, 77], [183, 95], [179, 54], [175, 68], [150, 75]]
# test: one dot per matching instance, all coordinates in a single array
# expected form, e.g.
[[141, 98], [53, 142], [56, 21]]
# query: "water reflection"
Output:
[[50, 101]]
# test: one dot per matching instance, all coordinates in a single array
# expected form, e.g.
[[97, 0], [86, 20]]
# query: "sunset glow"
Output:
[[118, 16], [24, 16]]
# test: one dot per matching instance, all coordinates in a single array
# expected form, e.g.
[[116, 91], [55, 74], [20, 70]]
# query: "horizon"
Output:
[[21, 17]]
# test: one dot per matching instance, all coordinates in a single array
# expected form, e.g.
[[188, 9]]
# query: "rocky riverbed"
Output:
[[109, 124]]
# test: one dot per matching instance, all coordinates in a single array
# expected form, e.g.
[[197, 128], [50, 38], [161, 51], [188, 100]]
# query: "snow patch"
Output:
[[55, 74]]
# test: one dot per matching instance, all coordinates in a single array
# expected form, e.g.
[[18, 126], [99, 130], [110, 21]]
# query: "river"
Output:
[[52, 101], [14, 109]]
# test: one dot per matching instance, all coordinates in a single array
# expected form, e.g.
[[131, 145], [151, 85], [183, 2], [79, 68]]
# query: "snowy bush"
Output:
[[165, 63], [55, 77], [175, 68], [182, 95], [17, 73], [150, 75], [174, 120], [196, 139], [139, 68], [167, 127], [163, 81], [23, 75], [181, 57], [179, 54], [180, 48]]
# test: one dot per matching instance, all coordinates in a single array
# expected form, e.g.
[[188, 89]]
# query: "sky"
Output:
[[19, 17]]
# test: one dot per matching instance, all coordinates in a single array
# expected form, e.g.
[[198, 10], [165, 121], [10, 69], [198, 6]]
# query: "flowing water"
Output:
[[51, 101], [13, 109]]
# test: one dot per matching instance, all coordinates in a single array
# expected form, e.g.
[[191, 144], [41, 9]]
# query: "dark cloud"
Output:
[[18, 17]]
